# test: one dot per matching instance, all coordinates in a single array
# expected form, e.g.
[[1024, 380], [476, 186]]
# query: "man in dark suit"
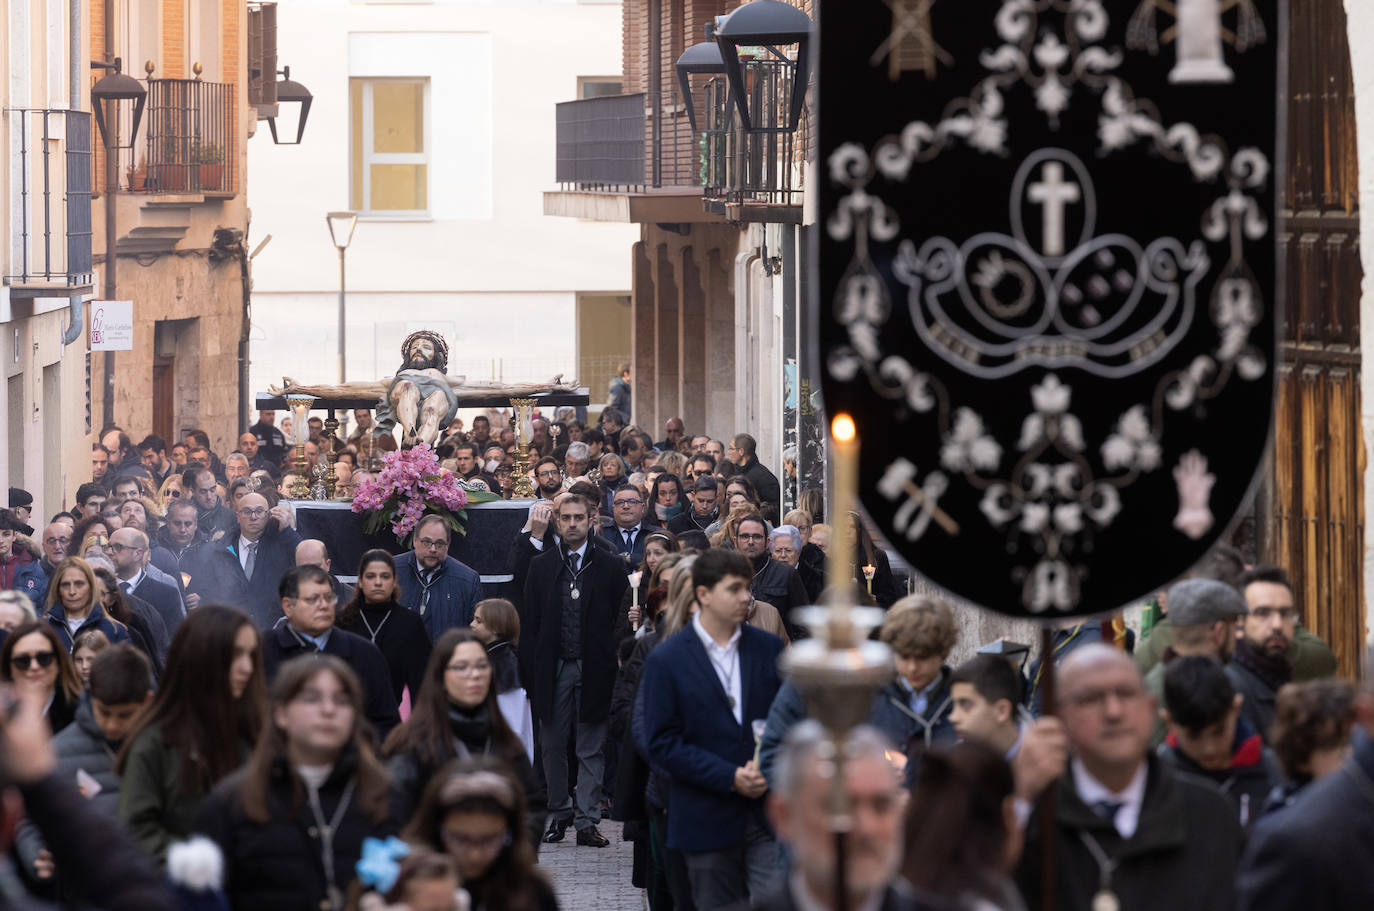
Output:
[[629, 531], [799, 809], [568, 661], [1310, 855], [129, 549], [307, 628], [703, 689], [245, 567], [540, 533]]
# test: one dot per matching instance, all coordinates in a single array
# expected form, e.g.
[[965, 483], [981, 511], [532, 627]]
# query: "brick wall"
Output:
[[174, 65]]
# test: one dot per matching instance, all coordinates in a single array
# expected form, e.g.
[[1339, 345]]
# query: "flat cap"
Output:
[[20, 497], [1202, 602]]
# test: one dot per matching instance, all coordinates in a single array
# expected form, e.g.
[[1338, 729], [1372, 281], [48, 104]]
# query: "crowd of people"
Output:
[[205, 708]]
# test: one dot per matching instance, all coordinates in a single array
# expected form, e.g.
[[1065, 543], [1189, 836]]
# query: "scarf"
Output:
[[668, 512], [472, 728], [1273, 671]]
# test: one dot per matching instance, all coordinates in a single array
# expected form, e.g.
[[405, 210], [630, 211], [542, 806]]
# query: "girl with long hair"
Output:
[[35, 661], [962, 835], [455, 716], [398, 633], [202, 724], [474, 810], [147, 631], [496, 624], [657, 546], [867, 553], [291, 822], [666, 497]]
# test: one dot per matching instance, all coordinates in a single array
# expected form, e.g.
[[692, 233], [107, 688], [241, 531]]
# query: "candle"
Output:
[[869, 572], [844, 439]]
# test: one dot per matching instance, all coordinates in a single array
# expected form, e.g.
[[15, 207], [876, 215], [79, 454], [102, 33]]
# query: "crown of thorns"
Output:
[[440, 346]]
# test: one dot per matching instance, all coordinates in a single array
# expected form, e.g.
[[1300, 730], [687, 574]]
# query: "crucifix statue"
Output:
[[421, 398]]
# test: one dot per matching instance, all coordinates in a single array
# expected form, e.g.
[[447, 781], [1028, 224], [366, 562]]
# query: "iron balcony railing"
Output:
[[192, 138], [600, 142], [760, 167], [50, 217]]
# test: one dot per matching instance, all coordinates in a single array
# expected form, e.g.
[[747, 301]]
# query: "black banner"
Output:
[[1048, 282]]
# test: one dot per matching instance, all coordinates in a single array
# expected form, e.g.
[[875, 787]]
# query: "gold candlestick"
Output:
[[300, 429], [524, 487]]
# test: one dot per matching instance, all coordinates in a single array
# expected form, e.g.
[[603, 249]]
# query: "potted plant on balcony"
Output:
[[138, 176], [210, 158]]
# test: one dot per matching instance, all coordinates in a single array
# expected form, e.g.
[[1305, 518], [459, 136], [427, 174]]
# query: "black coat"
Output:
[[280, 644], [165, 599], [616, 537], [523, 552], [1182, 856], [1318, 854], [766, 483], [603, 582], [221, 579], [401, 637], [279, 865], [781, 586]]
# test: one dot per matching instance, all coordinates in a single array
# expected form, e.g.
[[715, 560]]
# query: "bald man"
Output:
[[128, 549], [244, 568], [1127, 823], [312, 552]]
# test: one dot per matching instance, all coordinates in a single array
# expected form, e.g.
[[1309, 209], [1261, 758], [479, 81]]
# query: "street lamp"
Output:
[[289, 92], [701, 58], [111, 89], [341, 225], [769, 24]]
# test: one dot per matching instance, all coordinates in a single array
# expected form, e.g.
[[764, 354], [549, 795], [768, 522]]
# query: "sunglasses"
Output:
[[24, 662]]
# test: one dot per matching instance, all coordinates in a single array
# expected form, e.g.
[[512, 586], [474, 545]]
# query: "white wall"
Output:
[[488, 261]]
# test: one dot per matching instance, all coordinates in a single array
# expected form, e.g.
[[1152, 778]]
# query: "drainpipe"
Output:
[[111, 188], [77, 318]]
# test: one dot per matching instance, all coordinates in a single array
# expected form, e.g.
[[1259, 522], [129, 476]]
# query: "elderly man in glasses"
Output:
[[244, 567], [629, 531]]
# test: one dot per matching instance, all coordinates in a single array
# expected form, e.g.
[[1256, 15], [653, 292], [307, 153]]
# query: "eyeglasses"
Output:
[[429, 544], [550, 473], [467, 670], [63, 540], [25, 661], [482, 844], [744, 537], [631, 502], [254, 513], [316, 600], [116, 547]]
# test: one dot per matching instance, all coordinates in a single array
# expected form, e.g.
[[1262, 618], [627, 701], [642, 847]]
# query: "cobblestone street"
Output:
[[594, 879]]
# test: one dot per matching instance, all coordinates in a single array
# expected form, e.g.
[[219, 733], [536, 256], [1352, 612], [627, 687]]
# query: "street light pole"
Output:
[[341, 226]]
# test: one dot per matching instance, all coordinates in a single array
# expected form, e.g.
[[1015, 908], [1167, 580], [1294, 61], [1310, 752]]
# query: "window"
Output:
[[390, 146], [599, 86]]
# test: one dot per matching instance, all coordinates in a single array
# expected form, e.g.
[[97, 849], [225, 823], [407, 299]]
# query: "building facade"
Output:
[[45, 249], [720, 337], [174, 215], [434, 122]]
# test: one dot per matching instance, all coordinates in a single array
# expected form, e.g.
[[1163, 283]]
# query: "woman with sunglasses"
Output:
[[456, 715], [473, 811], [72, 605], [291, 823], [201, 726], [172, 489], [36, 662]]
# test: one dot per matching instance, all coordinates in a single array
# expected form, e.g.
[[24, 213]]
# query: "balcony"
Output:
[[50, 210], [190, 141], [752, 176], [608, 171]]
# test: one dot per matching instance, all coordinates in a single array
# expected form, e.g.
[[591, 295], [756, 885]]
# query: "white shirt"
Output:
[[132, 581], [581, 555], [243, 550], [806, 900], [1092, 791], [725, 659]]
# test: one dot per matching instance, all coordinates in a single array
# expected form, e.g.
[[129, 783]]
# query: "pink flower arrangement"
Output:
[[410, 484]]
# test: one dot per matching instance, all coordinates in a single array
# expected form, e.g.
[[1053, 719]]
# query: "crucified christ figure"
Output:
[[421, 398]]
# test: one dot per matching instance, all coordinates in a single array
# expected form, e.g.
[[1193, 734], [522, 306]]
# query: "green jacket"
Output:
[[152, 802], [1311, 657]]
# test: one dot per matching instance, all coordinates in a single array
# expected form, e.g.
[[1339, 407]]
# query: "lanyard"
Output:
[[327, 831], [1105, 899], [372, 633]]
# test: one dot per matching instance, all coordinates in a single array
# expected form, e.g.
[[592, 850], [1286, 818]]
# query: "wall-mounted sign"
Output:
[[1047, 286], [112, 325]]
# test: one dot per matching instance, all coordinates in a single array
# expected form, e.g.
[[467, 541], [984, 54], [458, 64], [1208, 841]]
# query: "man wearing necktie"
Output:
[[568, 660], [630, 531]]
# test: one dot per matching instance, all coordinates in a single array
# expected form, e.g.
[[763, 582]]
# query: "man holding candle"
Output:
[[702, 690]]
